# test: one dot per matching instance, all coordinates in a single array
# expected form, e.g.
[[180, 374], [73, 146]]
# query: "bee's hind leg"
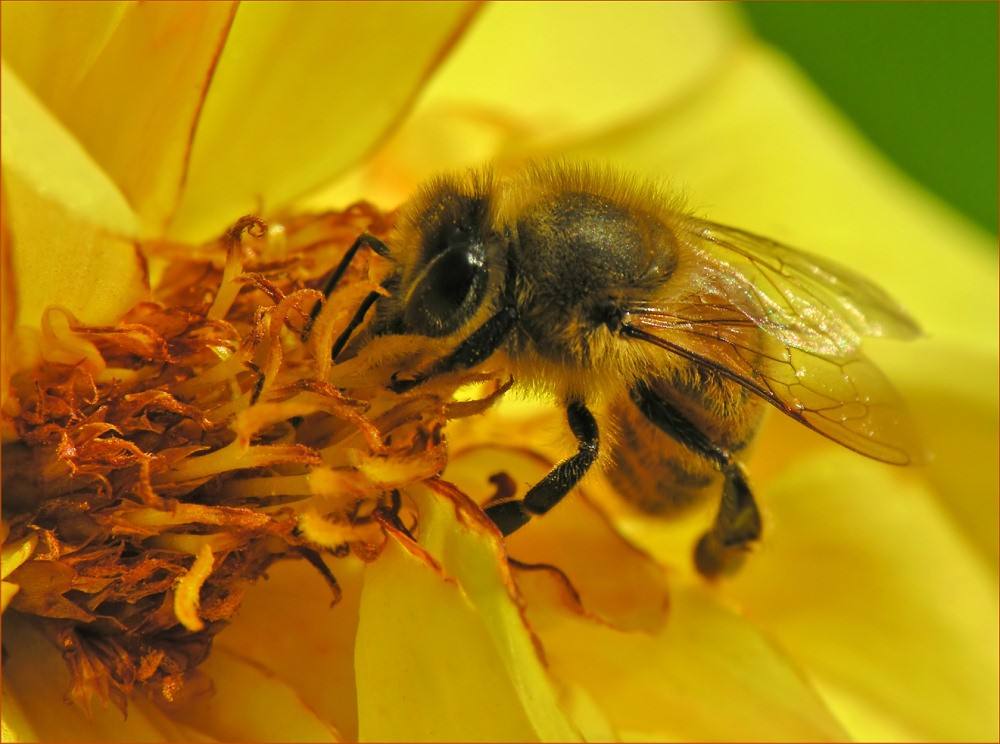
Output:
[[723, 548], [509, 516]]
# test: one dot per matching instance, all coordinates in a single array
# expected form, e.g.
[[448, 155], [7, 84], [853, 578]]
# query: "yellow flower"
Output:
[[868, 612]]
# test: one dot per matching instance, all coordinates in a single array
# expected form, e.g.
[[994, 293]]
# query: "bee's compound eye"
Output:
[[448, 291]]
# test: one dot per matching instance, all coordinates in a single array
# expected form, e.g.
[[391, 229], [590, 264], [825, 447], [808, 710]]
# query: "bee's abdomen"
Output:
[[654, 472], [659, 475]]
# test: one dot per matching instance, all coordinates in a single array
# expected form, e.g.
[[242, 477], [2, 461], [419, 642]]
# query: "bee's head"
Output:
[[448, 252]]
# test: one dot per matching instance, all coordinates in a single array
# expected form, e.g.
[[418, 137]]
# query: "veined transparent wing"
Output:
[[788, 326], [806, 301]]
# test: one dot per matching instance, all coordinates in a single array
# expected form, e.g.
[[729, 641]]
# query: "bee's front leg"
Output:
[[722, 549], [477, 348], [512, 515]]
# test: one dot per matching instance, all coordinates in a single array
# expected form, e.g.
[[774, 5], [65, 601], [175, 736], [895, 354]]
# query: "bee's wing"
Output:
[[788, 327], [805, 301]]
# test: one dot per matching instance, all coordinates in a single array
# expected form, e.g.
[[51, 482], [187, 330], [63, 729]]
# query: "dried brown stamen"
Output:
[[163, 463]]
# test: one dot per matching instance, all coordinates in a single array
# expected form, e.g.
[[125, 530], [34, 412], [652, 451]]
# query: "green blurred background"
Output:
[[920, 79]]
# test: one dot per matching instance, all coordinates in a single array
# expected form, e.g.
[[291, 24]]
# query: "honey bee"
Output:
[[602, 290]]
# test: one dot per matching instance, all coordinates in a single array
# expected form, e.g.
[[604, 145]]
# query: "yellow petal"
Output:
[[14, 554], [8, 294], [94, 275], [709, 675], [130, 89], [863, 580], [64, 219], [42, 152], [11, 556], [553, 90], [442, 651], [288, 628], [515, 85], [250, 703], [302, 91], [955, 398], [235, 107]]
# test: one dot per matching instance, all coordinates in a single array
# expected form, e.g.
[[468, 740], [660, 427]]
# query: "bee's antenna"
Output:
[[364, 239]]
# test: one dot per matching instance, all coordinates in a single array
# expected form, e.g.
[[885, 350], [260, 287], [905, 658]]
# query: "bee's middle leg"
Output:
[[723, 548], [509, 516]]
